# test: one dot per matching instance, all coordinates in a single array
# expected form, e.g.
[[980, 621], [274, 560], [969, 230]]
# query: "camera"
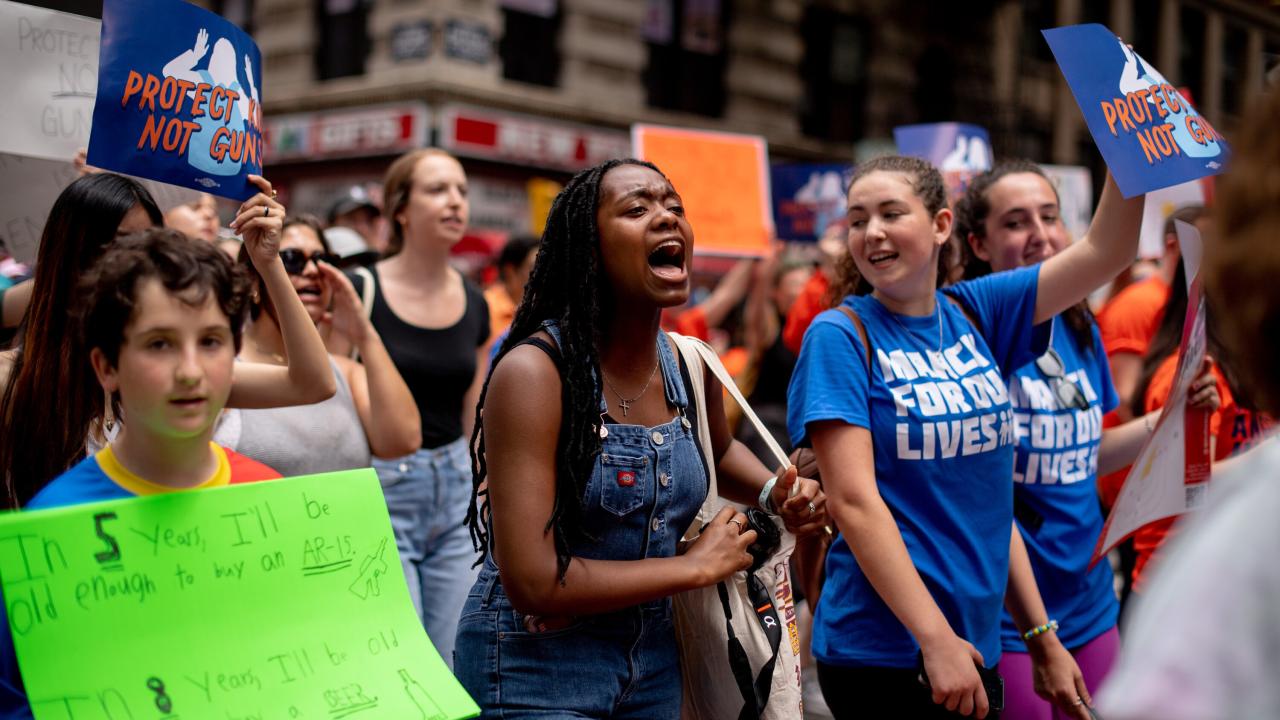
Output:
[[768, 537]]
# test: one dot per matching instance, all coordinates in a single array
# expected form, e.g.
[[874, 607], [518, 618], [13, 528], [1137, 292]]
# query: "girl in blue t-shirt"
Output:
[[914, 434], [1010, 218]]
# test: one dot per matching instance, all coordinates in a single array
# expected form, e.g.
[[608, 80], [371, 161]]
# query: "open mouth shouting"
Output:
[[667, 260]]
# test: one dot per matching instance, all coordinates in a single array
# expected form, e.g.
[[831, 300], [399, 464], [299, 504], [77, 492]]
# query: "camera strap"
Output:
[[755, 694]]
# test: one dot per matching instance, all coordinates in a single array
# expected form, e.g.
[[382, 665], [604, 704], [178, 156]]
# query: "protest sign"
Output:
[[723, 181], [807, 197], [282, 599], [30, 186], [50, 62], [1159, 206], [959, 150], [1147, 131], [178, 98], [1171, 473], [1075, 196]]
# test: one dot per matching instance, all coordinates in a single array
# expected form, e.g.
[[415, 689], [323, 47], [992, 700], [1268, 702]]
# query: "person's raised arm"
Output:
[[383, 401], [308, 378], [183, 66], [846, 457], [727, 293], [1056, 676], [521, 433], [16, 300], [1107, 248]]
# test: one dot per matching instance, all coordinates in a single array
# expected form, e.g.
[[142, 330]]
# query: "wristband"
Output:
[[765, 501], [1051, 626]]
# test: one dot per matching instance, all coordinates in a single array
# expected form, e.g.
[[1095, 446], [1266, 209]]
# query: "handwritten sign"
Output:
[[723, 180], [30, 186], [281, 599], [1147, 131], [807, 197], [1075, 196], [50, 62], [1172, 470], [178, 97], [959, 150]]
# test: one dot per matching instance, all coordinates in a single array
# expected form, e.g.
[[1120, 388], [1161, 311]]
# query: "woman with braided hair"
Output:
[[584, 503]]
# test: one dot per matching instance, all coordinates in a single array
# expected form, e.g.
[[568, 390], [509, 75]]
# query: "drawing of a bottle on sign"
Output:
[[421, 698], [1139, 75]]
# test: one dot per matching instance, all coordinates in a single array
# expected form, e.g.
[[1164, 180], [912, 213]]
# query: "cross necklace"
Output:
[[625, 403]]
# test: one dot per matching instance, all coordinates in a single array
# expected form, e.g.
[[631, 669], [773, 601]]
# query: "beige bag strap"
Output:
[[712, 361]]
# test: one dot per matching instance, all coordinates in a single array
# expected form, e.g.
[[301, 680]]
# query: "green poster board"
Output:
[[282, 599]]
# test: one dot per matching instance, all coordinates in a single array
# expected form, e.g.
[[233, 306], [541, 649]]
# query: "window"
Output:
[[834, 68], [238, 12], [1038, 15], [342, 44], [529, 45], [1146, 26], [1096, 11], [1191, 52], [1235, 65], [688, 55]]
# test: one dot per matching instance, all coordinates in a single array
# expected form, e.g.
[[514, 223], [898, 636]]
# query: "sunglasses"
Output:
[[1068, 393], [295, 260]]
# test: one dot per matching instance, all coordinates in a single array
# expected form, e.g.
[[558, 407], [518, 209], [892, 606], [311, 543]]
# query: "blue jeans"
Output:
[[428, 494], [619, 665]]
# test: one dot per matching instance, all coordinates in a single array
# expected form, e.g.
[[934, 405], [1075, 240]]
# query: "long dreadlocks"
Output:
[[565, 287]]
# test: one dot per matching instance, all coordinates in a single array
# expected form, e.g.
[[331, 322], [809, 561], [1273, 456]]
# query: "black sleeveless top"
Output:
[[438, 365]]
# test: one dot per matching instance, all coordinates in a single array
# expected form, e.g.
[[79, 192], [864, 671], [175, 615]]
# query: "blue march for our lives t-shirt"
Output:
[[1055, 474], [943, 432]]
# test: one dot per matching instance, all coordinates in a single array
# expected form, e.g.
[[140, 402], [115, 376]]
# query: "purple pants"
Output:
[[1095, 659]]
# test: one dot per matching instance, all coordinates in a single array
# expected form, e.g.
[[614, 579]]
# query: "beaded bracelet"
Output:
[[1040, 630]]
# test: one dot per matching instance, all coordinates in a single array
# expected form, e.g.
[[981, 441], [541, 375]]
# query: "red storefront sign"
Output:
[[524, 140], [363, 131]]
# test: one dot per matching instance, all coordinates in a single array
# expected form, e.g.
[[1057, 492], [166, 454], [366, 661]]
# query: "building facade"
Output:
[[530, 89]]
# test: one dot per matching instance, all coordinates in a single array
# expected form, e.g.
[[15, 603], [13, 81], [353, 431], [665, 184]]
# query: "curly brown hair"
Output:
[[926, 183], [1242, 260]]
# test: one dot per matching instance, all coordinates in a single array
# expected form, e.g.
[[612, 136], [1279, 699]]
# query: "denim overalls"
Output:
[[647, 485]]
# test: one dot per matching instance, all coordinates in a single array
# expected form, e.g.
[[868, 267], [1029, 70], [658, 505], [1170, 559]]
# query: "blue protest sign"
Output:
[[178, 97], [959, 150], [1149, 134], [807, 197]]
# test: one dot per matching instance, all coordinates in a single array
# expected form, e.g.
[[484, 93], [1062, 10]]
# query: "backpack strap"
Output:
[[862, 331]]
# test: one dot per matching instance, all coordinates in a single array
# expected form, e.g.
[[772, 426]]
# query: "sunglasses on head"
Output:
[[1068, 393], [295, 260]]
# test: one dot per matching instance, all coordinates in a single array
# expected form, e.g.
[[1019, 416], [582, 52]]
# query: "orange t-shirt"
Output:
[[501, 310], [811, 301], [1129, 320], [1234, 428]]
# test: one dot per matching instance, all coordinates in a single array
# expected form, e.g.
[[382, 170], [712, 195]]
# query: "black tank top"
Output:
[[438, 365]]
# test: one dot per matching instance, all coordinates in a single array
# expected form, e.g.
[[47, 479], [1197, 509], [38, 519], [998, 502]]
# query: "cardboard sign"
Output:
[[30, 186], [1147, 131], [1075, 196], [959, 150], [1172, 470], [50, 62], [282, 599], [807, 197], [1159, 206], [723, 180], [179, 98]]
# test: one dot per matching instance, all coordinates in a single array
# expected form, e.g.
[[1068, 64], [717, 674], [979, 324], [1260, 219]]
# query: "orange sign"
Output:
[[723, 180]]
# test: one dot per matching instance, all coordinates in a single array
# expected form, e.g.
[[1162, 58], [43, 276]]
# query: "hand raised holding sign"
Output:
[[258, 223]]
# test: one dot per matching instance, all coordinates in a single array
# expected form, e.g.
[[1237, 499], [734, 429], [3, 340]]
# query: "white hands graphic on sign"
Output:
[[1137, 75]]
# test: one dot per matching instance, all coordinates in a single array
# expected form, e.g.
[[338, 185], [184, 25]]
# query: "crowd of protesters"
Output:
[[940, 362]]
